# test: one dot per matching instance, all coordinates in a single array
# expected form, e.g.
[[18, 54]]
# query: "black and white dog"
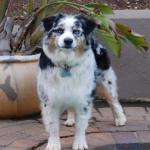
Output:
[[70, 65]]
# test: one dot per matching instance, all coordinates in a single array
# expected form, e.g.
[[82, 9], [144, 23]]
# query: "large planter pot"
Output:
[[18, 96]]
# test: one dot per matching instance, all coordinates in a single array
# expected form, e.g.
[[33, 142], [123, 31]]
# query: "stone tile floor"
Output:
[[29, 134]]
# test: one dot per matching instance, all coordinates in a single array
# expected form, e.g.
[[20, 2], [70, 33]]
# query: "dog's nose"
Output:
[[68, 41]]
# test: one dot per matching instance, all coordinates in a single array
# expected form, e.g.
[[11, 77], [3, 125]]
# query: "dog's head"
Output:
[[68, 33]]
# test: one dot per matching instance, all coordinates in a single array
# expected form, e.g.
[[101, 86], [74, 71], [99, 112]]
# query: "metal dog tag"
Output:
[[66, 72]]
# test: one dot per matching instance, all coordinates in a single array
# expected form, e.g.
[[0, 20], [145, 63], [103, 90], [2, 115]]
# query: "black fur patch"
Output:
[[102, 59], [88, 25], [48, 23], [109, 82], [85, 109], [44, 61], [93, 92], [51, 21], [57, 18], [89, 102]]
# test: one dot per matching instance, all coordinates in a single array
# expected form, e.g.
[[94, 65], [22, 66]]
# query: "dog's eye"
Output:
[[59, 30], [76, 32]]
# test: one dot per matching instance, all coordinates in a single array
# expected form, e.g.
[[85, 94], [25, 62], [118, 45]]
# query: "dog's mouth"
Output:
[[66, 48]]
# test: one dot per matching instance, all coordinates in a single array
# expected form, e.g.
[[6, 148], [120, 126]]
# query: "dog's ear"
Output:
[[48, 22], [88, 24]]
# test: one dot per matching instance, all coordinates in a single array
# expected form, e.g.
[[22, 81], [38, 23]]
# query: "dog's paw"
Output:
[[120, 121], [80, 145], [53, 144], [69, 122]]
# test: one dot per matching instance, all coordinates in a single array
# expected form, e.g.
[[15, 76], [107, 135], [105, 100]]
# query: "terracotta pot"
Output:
[[18, 96]]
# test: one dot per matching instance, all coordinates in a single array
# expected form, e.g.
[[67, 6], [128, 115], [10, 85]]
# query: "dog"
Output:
[[71, 64]]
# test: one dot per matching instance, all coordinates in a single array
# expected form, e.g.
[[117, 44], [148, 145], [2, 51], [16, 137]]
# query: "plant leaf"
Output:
[[103, 21], [36, 36], [136, 39], [45, 11], [43, 3], [3, 7], [113, 43], [104, 9], [30, 6]]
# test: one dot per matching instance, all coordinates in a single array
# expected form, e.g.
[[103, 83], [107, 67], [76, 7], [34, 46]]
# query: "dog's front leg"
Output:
[[82, 117], [51, 121]]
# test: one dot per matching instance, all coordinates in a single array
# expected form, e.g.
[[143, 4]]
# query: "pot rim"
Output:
[[19, 58]]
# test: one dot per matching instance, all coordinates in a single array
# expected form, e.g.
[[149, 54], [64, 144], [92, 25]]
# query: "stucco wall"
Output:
[[133, 70]]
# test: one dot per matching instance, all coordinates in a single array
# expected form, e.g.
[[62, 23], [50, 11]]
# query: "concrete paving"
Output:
[[29, 134]]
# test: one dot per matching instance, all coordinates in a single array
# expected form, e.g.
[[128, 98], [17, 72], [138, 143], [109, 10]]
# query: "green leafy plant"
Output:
[[30, 32]]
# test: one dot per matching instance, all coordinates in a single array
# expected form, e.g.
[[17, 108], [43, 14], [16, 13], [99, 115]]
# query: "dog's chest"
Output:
[[69, 81], [69, 89], [79, 81]]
